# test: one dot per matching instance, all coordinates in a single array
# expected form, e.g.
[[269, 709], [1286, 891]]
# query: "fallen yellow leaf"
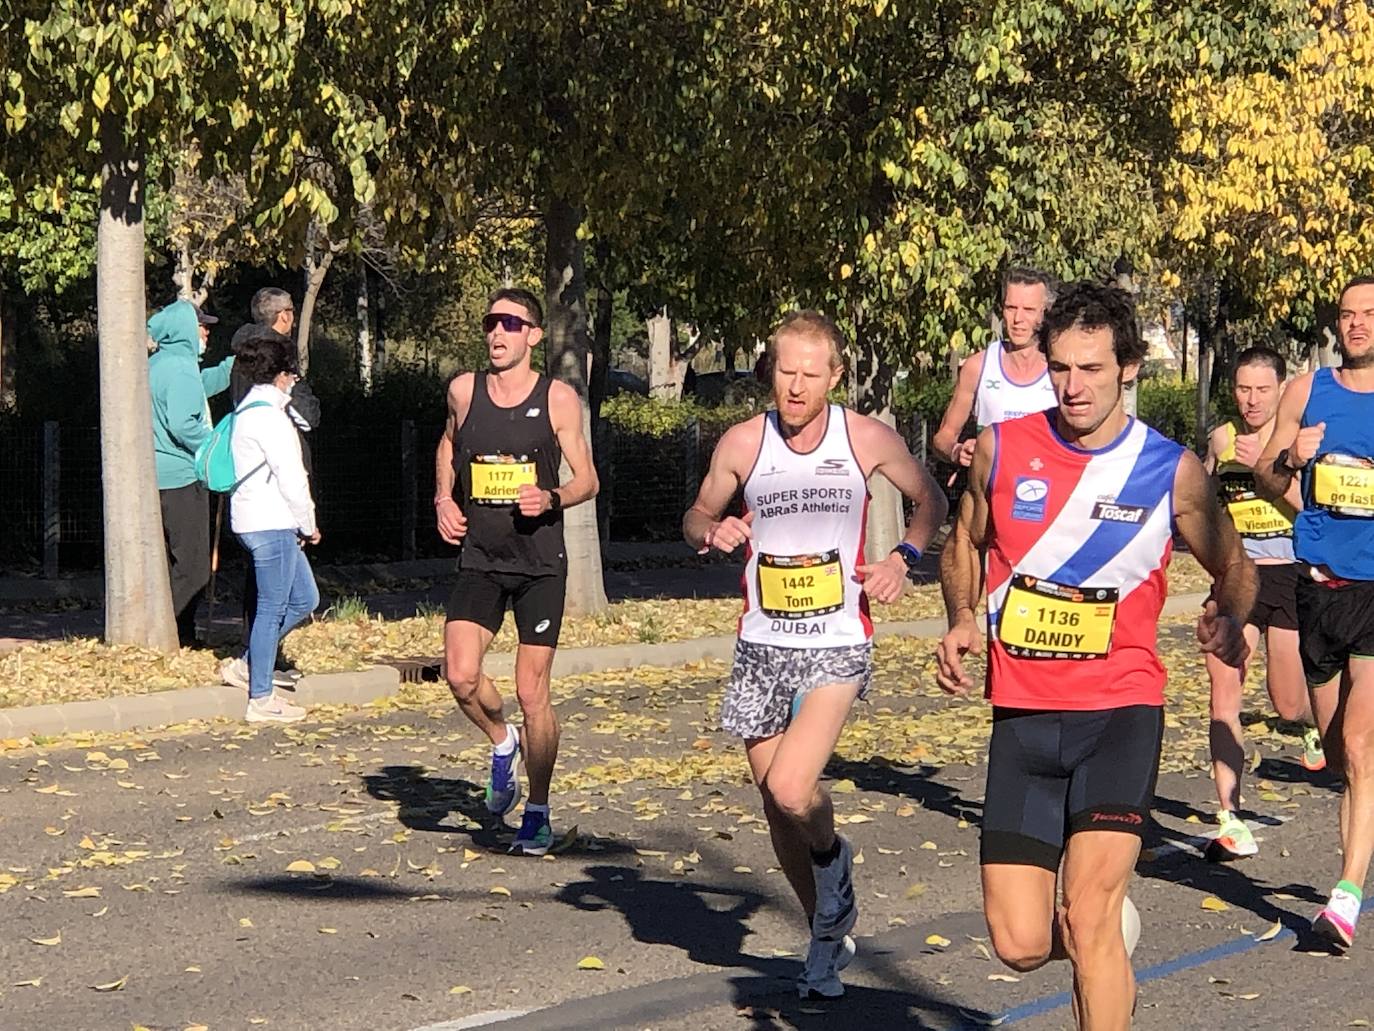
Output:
[[590, 963], [113, 986], [54, 940], [938, 941], [1214, 905], [500, 890], [460, 989], [300, 866]]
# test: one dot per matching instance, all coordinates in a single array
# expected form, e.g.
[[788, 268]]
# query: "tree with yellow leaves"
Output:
[[1270, 189]]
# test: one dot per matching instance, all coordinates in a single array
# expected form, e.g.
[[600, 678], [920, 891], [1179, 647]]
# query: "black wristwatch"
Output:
[[555, 502], [1281, 464], [911, 555]]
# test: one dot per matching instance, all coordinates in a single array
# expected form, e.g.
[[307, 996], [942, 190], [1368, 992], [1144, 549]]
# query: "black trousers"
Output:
[[186, 531]]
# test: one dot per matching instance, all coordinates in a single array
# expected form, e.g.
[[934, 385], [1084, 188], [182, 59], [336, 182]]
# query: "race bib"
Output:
[[1344, 484], [497, 479], [800, 586], [1045, 620], [1253, 516]]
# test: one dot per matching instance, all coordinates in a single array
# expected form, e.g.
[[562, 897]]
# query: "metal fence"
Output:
[[373, 486]]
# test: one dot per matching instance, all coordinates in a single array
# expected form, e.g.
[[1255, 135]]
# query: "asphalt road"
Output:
[[148, 881]]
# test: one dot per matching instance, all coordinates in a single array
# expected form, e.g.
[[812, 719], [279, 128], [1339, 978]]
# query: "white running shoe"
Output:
[[273, 710], [820, 977], [1130, 924], [234, 672], [836, 911]]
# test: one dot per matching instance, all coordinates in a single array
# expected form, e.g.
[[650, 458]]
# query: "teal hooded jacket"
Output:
[[181, 416]]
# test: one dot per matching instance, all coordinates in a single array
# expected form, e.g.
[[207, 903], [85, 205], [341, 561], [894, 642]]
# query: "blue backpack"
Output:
[[214, 461]]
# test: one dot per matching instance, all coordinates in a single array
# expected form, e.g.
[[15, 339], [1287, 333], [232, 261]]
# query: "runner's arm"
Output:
[[443, 454], [565, 409], [1272, 477], [961, 561], [946, 440], [1213, 540], [722, 480]]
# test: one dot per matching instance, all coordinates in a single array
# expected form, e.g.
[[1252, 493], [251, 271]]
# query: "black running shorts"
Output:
[[1054, 773], [482, 597], [1334, 625]]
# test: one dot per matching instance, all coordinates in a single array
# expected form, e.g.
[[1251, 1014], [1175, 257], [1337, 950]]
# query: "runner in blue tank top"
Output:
[[1325, 432]]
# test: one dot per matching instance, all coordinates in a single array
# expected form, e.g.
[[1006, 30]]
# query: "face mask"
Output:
[[201, 349]]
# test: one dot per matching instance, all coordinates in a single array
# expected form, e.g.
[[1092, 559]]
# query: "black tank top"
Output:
[[494, 452]]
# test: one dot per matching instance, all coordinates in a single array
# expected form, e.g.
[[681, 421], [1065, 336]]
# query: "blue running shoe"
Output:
[[503, 786], [535, 837]]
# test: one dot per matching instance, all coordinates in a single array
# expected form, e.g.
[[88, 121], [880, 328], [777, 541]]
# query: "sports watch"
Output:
[[911, 555]]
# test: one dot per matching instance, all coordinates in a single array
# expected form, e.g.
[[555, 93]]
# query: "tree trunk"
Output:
[[364, 332], [9, 334], [665, 377], [184, 279], [871, 382], [1204, 381], [379, 350], [319, 255], [597, 388], [565, 294], [138, 596], [1126, 282]]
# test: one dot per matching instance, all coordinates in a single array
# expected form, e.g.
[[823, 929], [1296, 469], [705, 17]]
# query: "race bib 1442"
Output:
[[800, 586]]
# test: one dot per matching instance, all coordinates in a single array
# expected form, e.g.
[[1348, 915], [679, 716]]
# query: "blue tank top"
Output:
[[1327, 532]]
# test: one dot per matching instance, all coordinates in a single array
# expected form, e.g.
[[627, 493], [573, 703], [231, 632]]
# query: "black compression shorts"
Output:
[[1054, 773], [482, 597]]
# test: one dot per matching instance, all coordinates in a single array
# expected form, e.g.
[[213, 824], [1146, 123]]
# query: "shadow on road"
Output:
[[331, 889], [707, 921], [884, 776], [776, 1007]]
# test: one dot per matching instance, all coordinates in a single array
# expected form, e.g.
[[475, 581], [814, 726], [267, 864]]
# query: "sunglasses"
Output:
[[510, 323]]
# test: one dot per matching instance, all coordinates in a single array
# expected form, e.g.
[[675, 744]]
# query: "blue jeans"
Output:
[[286, 596]]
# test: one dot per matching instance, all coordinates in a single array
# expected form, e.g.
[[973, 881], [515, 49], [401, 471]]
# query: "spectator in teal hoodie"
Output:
[[181, 422]]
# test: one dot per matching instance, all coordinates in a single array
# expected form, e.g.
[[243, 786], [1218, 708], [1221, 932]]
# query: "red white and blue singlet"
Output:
[[1078, 542]]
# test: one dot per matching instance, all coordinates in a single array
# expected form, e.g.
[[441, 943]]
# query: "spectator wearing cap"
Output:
[[181, 422]]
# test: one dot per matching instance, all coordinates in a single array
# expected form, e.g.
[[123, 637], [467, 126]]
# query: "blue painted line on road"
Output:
[[1187, 961]]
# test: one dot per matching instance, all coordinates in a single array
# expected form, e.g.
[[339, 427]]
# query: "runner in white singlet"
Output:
[[1009, 379], [805, 640]]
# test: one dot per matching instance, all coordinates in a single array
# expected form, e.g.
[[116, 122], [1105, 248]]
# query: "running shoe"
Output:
[[234, 672], [503, 786], [1233, 840], [820, 977], [1130, 924], [1336, 923], [272, 709], [1313, 757], [836, 911], [535, 837], [287, 679]]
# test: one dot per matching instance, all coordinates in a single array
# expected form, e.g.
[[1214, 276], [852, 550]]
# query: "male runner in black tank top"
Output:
[[507, 429]]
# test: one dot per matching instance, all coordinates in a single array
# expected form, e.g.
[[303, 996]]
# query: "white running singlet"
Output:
[[997, 399], [810, 510]]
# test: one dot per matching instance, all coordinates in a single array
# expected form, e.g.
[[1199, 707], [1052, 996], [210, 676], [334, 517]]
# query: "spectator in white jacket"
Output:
[[273, 515]]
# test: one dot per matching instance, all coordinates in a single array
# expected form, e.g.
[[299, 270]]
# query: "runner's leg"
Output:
[[465, 644], [794, 856], [1357, 738], [1283, 675], [539, 734], [1226, 737], [1018, 902], [1097, 869]]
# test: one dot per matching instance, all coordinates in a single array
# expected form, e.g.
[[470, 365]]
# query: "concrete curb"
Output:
[[574, 661], [138, 712]]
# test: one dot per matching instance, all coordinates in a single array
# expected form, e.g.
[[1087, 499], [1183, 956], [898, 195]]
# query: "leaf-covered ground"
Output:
[[82, 669]]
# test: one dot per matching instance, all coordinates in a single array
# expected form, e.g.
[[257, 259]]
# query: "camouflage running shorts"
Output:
[[768, 682]]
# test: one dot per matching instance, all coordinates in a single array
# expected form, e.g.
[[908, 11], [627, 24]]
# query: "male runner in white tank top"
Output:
[[1008, 380], [805, 639]]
